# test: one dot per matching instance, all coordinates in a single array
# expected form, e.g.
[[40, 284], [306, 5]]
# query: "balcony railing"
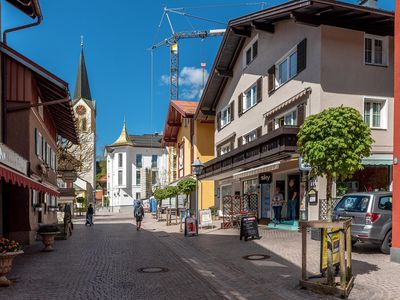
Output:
[[270, 147]]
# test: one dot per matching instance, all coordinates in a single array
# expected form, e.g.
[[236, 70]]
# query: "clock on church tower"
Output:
[[80, 110]]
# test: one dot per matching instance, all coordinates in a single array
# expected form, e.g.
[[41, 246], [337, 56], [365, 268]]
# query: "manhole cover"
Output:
[[152, 270], [256, 257]]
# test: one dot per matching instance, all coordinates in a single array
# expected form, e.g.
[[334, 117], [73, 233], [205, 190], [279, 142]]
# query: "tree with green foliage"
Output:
[[187, 186], [334, 142], [159, 194]]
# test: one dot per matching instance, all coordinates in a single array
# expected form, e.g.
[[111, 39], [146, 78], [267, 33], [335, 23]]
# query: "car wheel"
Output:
[[387, 243], [353, 241]]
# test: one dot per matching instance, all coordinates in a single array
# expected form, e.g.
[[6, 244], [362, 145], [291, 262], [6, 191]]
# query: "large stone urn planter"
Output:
[[6, 261], [48, 233], [48, 240]]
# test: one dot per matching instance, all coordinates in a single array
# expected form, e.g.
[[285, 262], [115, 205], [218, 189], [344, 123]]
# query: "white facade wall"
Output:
[[124, 193]]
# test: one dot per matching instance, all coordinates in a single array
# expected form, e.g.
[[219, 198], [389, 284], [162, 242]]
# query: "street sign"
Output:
[[304, 166]]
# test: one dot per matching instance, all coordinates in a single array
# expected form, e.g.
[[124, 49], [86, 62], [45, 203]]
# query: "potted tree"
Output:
[[9, 249], [186, 187], [214, 212], [48, 233], [159, 194]]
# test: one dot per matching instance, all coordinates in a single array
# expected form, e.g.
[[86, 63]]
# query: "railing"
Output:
[[323, 207], [233, 207], [267, 148]]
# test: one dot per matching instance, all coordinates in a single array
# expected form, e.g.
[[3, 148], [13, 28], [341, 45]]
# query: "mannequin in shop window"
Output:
[[293, 198]]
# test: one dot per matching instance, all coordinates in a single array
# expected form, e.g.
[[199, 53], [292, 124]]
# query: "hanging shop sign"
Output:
[[249, 228], [265, 178]]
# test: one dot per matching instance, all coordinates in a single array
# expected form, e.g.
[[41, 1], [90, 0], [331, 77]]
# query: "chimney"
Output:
[[368, 3]]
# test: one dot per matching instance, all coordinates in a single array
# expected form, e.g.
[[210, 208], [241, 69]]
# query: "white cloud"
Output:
[[190, 82]]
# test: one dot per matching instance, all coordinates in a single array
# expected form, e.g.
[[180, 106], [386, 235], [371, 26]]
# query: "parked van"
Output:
[[372, 217]]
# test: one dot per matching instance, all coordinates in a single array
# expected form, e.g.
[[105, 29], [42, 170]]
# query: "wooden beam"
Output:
[[28, 106], [207, 112], [224, 73], [268, 27], [241, 32]]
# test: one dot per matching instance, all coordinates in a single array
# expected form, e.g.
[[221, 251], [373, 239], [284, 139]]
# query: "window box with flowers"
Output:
[[9, 249]]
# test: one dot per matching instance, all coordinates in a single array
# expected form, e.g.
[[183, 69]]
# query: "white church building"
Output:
[[136, 165]]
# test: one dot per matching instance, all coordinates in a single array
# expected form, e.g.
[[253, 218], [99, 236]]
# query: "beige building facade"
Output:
[[296, 60]]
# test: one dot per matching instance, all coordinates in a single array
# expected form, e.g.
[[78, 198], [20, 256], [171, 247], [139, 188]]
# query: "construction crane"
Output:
[[172, 42]]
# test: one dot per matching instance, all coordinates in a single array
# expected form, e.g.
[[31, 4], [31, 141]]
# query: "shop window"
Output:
[[250, 186]]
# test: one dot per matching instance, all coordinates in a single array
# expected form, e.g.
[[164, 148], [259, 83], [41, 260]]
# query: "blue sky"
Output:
[[117, 37]]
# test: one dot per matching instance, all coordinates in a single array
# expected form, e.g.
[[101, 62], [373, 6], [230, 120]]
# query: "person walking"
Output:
[[277, 202], [293, 197], [89, 215], [138, 212]]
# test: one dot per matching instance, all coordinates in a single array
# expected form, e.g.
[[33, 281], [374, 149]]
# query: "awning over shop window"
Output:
[[255, 171], [9, 175], [378, 160]]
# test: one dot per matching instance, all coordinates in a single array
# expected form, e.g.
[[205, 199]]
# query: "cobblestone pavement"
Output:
[[101, 262]]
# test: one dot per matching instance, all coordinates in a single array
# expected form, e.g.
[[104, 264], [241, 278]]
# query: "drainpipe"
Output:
[[39, 20]]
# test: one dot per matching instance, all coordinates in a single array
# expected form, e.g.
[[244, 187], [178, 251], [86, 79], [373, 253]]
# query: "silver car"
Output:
[[372, 217]]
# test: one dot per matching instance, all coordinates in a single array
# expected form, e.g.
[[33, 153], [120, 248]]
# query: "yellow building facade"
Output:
[[186, 140]]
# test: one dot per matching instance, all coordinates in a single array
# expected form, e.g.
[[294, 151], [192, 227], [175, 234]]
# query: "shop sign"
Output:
[[303, 166], [11, 159], [313, 197], [205, 217], [69, 176], [249, 228], [190, 226], [265, 178]]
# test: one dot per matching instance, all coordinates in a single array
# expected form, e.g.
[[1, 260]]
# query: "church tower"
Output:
[[85, 113]]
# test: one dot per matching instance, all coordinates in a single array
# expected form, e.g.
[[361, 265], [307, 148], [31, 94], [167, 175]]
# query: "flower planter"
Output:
[[6, 260], [48, 240]]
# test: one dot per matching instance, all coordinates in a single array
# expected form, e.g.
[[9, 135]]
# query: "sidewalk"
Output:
[[217, 255]]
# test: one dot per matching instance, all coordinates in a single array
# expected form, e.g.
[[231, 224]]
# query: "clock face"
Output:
[[80, 110]]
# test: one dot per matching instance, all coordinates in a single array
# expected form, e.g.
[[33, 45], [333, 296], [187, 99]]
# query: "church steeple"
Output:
[[82, 89]]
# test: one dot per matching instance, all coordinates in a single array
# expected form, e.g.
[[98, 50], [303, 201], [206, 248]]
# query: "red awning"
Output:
[[9, 175]]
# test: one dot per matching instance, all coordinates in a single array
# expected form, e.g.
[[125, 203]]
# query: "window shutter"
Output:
[[218, 151], [300, 114], [232, 144], [219, 121], [259, 89], [259, 132], [240, 104], [301, 55], [36, 142], [240, 141], [232, 110], [270, 126], [271, 79]]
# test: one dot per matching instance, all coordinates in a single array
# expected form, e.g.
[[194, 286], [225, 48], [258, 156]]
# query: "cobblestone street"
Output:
[[101, 262]]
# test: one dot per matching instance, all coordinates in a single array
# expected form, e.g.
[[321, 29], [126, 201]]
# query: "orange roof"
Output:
[[185, 108]]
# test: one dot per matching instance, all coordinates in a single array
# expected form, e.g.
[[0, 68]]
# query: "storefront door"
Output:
[[265, 201]]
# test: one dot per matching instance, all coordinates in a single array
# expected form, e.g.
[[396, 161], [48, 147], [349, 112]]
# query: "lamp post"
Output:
[[197, 169]]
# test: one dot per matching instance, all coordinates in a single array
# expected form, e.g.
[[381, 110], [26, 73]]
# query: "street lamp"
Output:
[[197, 169]]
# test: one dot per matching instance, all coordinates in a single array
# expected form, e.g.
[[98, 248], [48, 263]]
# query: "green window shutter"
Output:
[[259, 89], [240, 104], [271, 79]]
